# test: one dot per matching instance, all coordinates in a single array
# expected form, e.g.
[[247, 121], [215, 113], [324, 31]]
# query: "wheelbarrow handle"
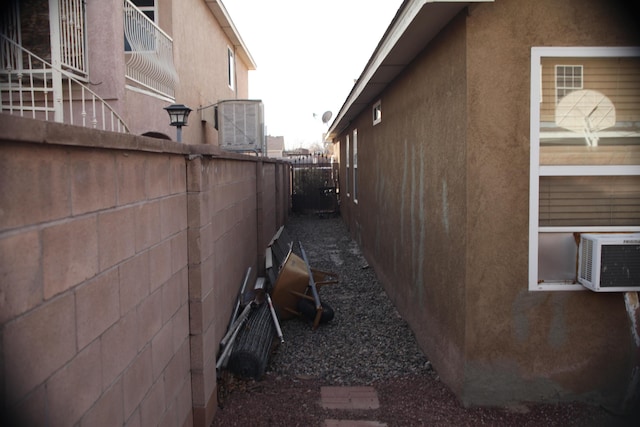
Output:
[[312, 283]]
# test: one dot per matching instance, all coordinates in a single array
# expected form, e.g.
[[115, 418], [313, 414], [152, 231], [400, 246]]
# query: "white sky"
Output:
[[308, 54]]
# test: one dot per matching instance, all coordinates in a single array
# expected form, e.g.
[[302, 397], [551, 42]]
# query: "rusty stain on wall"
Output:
[[520, 310], [632, 305], [558, 331], [633, 309], [403, 190], [445, 207], [418, 220]]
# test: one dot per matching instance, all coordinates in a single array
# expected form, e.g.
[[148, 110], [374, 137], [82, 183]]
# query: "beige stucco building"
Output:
[[450, 150], [121, 254], [138, 56]]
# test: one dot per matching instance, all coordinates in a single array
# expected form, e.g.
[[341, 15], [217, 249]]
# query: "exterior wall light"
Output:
[[178, 114]]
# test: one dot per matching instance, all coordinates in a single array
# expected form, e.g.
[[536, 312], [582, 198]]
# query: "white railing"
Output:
[[148, 52], [32, 87], [70, 14]]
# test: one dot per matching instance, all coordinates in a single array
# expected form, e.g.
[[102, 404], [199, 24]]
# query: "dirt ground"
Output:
[[291, 396], [412, 401]]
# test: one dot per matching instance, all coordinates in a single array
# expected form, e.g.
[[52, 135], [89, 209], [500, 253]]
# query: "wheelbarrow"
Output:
[[295, 292]]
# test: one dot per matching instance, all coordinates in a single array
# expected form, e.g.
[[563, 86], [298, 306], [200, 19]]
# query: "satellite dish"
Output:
[[586, 112], [326, 117]]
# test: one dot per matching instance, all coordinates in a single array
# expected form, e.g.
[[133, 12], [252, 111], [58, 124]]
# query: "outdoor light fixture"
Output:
[[178, 114]]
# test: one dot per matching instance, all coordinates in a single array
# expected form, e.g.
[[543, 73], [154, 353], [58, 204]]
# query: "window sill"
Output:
[[556, 287]]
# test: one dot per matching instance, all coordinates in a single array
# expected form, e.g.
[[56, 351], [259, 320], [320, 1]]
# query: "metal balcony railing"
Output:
[[70, 14], [32, 87], [148, 53]]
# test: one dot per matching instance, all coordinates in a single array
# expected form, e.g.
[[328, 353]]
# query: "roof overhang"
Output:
[[416, 23], [230, 30]]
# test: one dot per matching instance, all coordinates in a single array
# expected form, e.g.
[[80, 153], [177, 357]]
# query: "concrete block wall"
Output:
[[222, 211], [269, 204], [120, 259]]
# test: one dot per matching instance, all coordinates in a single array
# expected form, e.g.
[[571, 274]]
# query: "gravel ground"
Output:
[[367, 343], [367, 340]]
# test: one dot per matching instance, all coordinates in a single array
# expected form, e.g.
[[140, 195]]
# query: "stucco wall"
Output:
[[442, 212], [120, 260], [415, 185], [551, 345], [200, 58]]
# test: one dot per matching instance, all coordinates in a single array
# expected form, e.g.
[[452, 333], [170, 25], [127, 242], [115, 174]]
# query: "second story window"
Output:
[[148, 7], [145, 38], [231, 68]]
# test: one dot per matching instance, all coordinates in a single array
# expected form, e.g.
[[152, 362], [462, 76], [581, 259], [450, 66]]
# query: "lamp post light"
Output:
[[178, 114]]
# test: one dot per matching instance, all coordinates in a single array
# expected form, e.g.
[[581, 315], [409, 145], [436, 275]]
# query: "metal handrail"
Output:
[[148, 52], [31, 86]]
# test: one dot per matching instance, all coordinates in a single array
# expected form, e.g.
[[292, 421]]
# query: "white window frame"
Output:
[[376, 112], [145, 11], [355, 166], [536, 170], [231, 68], [347, 157], [153, 9]]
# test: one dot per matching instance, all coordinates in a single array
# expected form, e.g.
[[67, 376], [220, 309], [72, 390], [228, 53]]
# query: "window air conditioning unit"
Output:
[[241, 125], [609, 262]]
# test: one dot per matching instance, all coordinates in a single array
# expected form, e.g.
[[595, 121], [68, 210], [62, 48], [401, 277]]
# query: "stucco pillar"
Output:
[[201, 298]]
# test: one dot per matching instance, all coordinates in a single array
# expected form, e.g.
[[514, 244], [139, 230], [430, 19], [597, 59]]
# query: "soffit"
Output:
[[223, 18], [416, 23]]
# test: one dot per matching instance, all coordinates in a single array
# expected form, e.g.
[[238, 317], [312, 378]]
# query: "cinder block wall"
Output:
[[120, 259], [222, 222]]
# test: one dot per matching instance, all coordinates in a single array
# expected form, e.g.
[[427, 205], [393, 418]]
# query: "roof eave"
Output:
[[223, 17], [416, 23]]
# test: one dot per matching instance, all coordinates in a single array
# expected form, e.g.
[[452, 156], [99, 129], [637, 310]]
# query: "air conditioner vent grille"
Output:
[[620, 265], [241, 125], [609, 262], [587, 257]]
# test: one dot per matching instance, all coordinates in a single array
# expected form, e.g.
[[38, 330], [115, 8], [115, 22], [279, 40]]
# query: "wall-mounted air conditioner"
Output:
[[609, 262], [241, 125]]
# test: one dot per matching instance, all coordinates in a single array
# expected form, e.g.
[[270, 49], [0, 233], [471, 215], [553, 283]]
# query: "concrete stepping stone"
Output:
[[349, 397]]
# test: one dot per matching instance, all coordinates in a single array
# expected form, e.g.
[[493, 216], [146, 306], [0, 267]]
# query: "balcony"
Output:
[[32, 87], [46, 80], [148, 54]]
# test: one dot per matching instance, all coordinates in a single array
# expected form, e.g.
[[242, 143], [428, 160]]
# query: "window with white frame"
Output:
[[355, 166], [231, 68], [568, 79], [148, 7], [377, 112], [585, 155], [346, 155], [142, 35]]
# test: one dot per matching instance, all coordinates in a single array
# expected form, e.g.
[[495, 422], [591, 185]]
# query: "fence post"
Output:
[[56, 55], [261, 244]]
